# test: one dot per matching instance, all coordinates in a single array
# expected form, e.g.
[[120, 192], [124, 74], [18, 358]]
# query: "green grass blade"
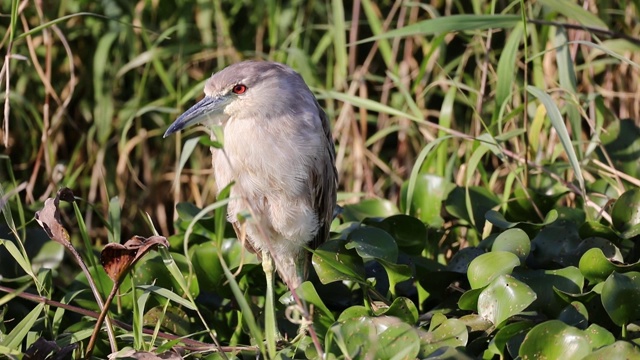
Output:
[[15, 337], [560, 127], [451, 23], [573, 11]]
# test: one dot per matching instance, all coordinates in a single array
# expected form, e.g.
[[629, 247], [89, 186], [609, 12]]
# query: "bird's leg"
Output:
[[271, 330]]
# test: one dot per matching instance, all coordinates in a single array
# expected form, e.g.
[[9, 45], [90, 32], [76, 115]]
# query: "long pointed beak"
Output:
[[210, 110]]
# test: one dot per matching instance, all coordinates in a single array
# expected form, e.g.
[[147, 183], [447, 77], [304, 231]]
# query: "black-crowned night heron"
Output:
[[279, 152]]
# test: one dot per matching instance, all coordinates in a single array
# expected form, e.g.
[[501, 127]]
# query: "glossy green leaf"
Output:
[[489, 266], [334, 262], [515, 241], [596, 267], [354, 336], [353, 312], [609, 250], [428, 195], [402, 308], [461, 260], [545, 283], [206, 266], [520, 205], [369, 208], [373, 243], [599, 336], [482, 200], [322, 316], [506, 333], [396, 273], [499, 220], [188, 211], [625, 213], [503, 298], [575, 314], [554, 339], [620, 296], [555, 245], [469, 300], [409, 233], [621, 142], [398, 341], [451, 332], [620, 350], [152, 270]]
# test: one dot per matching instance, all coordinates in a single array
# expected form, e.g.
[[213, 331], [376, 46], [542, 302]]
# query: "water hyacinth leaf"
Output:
[[513, 240], [398, 341], [353, 336], [402, 308], [555, 340], [597, 229], [334, 262], [499, 220], [323, 318], [206, 266], [476, 323], [555, 245], [621, 142], [504, 297], [426, 203], [625, 213], [596, 267], [396, 273], [546, 283], [575, 314], [520, 206], [373, 243], [409, 233], [620, 295], [599, 336], [152, 270], [451, 332], [469, 300], [461, 260], [369, 208], [172, 318], [188, 211], [489, 266], [481, 199], [506, 333], [609, 250], [619, 350], [353, 312]]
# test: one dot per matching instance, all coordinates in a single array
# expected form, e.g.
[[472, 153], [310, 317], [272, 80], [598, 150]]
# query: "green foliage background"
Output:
[[487, 154]]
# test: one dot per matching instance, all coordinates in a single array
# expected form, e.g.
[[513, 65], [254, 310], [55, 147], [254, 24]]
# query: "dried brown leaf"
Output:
[[49, 216], [117, 259]]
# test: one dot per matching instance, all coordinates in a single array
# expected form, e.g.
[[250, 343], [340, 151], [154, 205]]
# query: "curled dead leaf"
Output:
[[117, 259], [49, 216]]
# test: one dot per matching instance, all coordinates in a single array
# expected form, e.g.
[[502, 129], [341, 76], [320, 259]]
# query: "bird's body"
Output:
[[279, 153]]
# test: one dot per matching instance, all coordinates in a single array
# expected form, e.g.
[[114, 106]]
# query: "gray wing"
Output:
[[324, 184]]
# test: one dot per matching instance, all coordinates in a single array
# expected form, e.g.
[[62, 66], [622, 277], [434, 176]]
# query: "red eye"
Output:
[[239, 89]]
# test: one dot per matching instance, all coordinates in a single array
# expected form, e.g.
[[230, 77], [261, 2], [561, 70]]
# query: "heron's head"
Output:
[[257, 90]]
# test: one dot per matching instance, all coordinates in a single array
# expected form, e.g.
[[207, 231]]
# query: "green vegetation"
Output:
[[488, 156]]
